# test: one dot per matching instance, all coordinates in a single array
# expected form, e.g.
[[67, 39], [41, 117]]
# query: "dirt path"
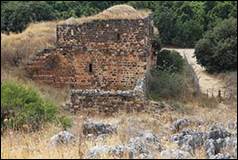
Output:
[[208, 83]]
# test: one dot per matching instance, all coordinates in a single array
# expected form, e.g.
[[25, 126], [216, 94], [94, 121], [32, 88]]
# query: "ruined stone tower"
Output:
[[110, 51]]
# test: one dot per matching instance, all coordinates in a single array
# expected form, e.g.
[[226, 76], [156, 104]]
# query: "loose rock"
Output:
[[189, 140], [218, 132], [63, 137], [97, 151], [178, 124], [98, 128]]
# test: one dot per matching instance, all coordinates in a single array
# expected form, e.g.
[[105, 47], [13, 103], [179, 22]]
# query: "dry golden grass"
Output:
[[34, 145], [16, 48], [56, 95]]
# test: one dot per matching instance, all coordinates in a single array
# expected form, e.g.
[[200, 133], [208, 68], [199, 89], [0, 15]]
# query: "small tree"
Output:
[[170, 61]]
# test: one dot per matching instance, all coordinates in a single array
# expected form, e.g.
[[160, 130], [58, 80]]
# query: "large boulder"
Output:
[[213, 141], [189, 140], [217, 132], [213, 147], [142, 145], [97, 128], [179, 124], [210, 148], [116, 151], [97, 151], [63, 137]]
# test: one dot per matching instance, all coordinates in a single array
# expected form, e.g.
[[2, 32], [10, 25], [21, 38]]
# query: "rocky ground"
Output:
[[191, 132], [160, 136]]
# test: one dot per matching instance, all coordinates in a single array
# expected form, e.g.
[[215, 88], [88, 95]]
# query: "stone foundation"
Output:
[[107, 101]]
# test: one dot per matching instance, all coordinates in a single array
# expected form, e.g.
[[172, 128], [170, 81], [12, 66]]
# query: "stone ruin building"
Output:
[[103, 58]]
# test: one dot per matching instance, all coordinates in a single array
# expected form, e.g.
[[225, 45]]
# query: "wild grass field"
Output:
[[19, 144]]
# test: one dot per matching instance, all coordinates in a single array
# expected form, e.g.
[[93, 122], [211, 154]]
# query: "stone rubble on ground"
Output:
[[63, 137], [175, 154], [216, 139], [140, 146], [218, 132], [97, 128], [96, 151], [189, 140], [217, 142], [179, 124]]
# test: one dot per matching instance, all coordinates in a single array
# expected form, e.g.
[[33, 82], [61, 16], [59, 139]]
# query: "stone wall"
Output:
[[107, 101], [102, 54]]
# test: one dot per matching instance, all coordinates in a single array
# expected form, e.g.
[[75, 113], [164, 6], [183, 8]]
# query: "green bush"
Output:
[[164, 84], [65, 122], [170, 61], [23, 106], [217, 51]]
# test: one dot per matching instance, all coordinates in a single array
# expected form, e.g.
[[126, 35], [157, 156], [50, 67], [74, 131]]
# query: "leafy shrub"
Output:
[[217, 51], [164, 84], [65, 122], [170, 61], [23, 106], [143, 4]]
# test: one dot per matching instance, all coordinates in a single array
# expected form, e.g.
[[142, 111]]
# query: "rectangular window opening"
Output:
[[118, 36], [90, 68]]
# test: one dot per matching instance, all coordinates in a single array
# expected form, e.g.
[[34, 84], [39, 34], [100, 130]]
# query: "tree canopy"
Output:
[[217, 51], [180, 23]]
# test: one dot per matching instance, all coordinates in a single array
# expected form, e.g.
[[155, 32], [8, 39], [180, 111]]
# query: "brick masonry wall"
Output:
[[102, 54]]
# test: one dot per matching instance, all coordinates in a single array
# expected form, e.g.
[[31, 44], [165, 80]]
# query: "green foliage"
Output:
[[182, 23], [23, 106], [164, 19], [15, 16], [217, 51], [65, 122], [143, 4], [164, 84], [170, 61], [169, 79]]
